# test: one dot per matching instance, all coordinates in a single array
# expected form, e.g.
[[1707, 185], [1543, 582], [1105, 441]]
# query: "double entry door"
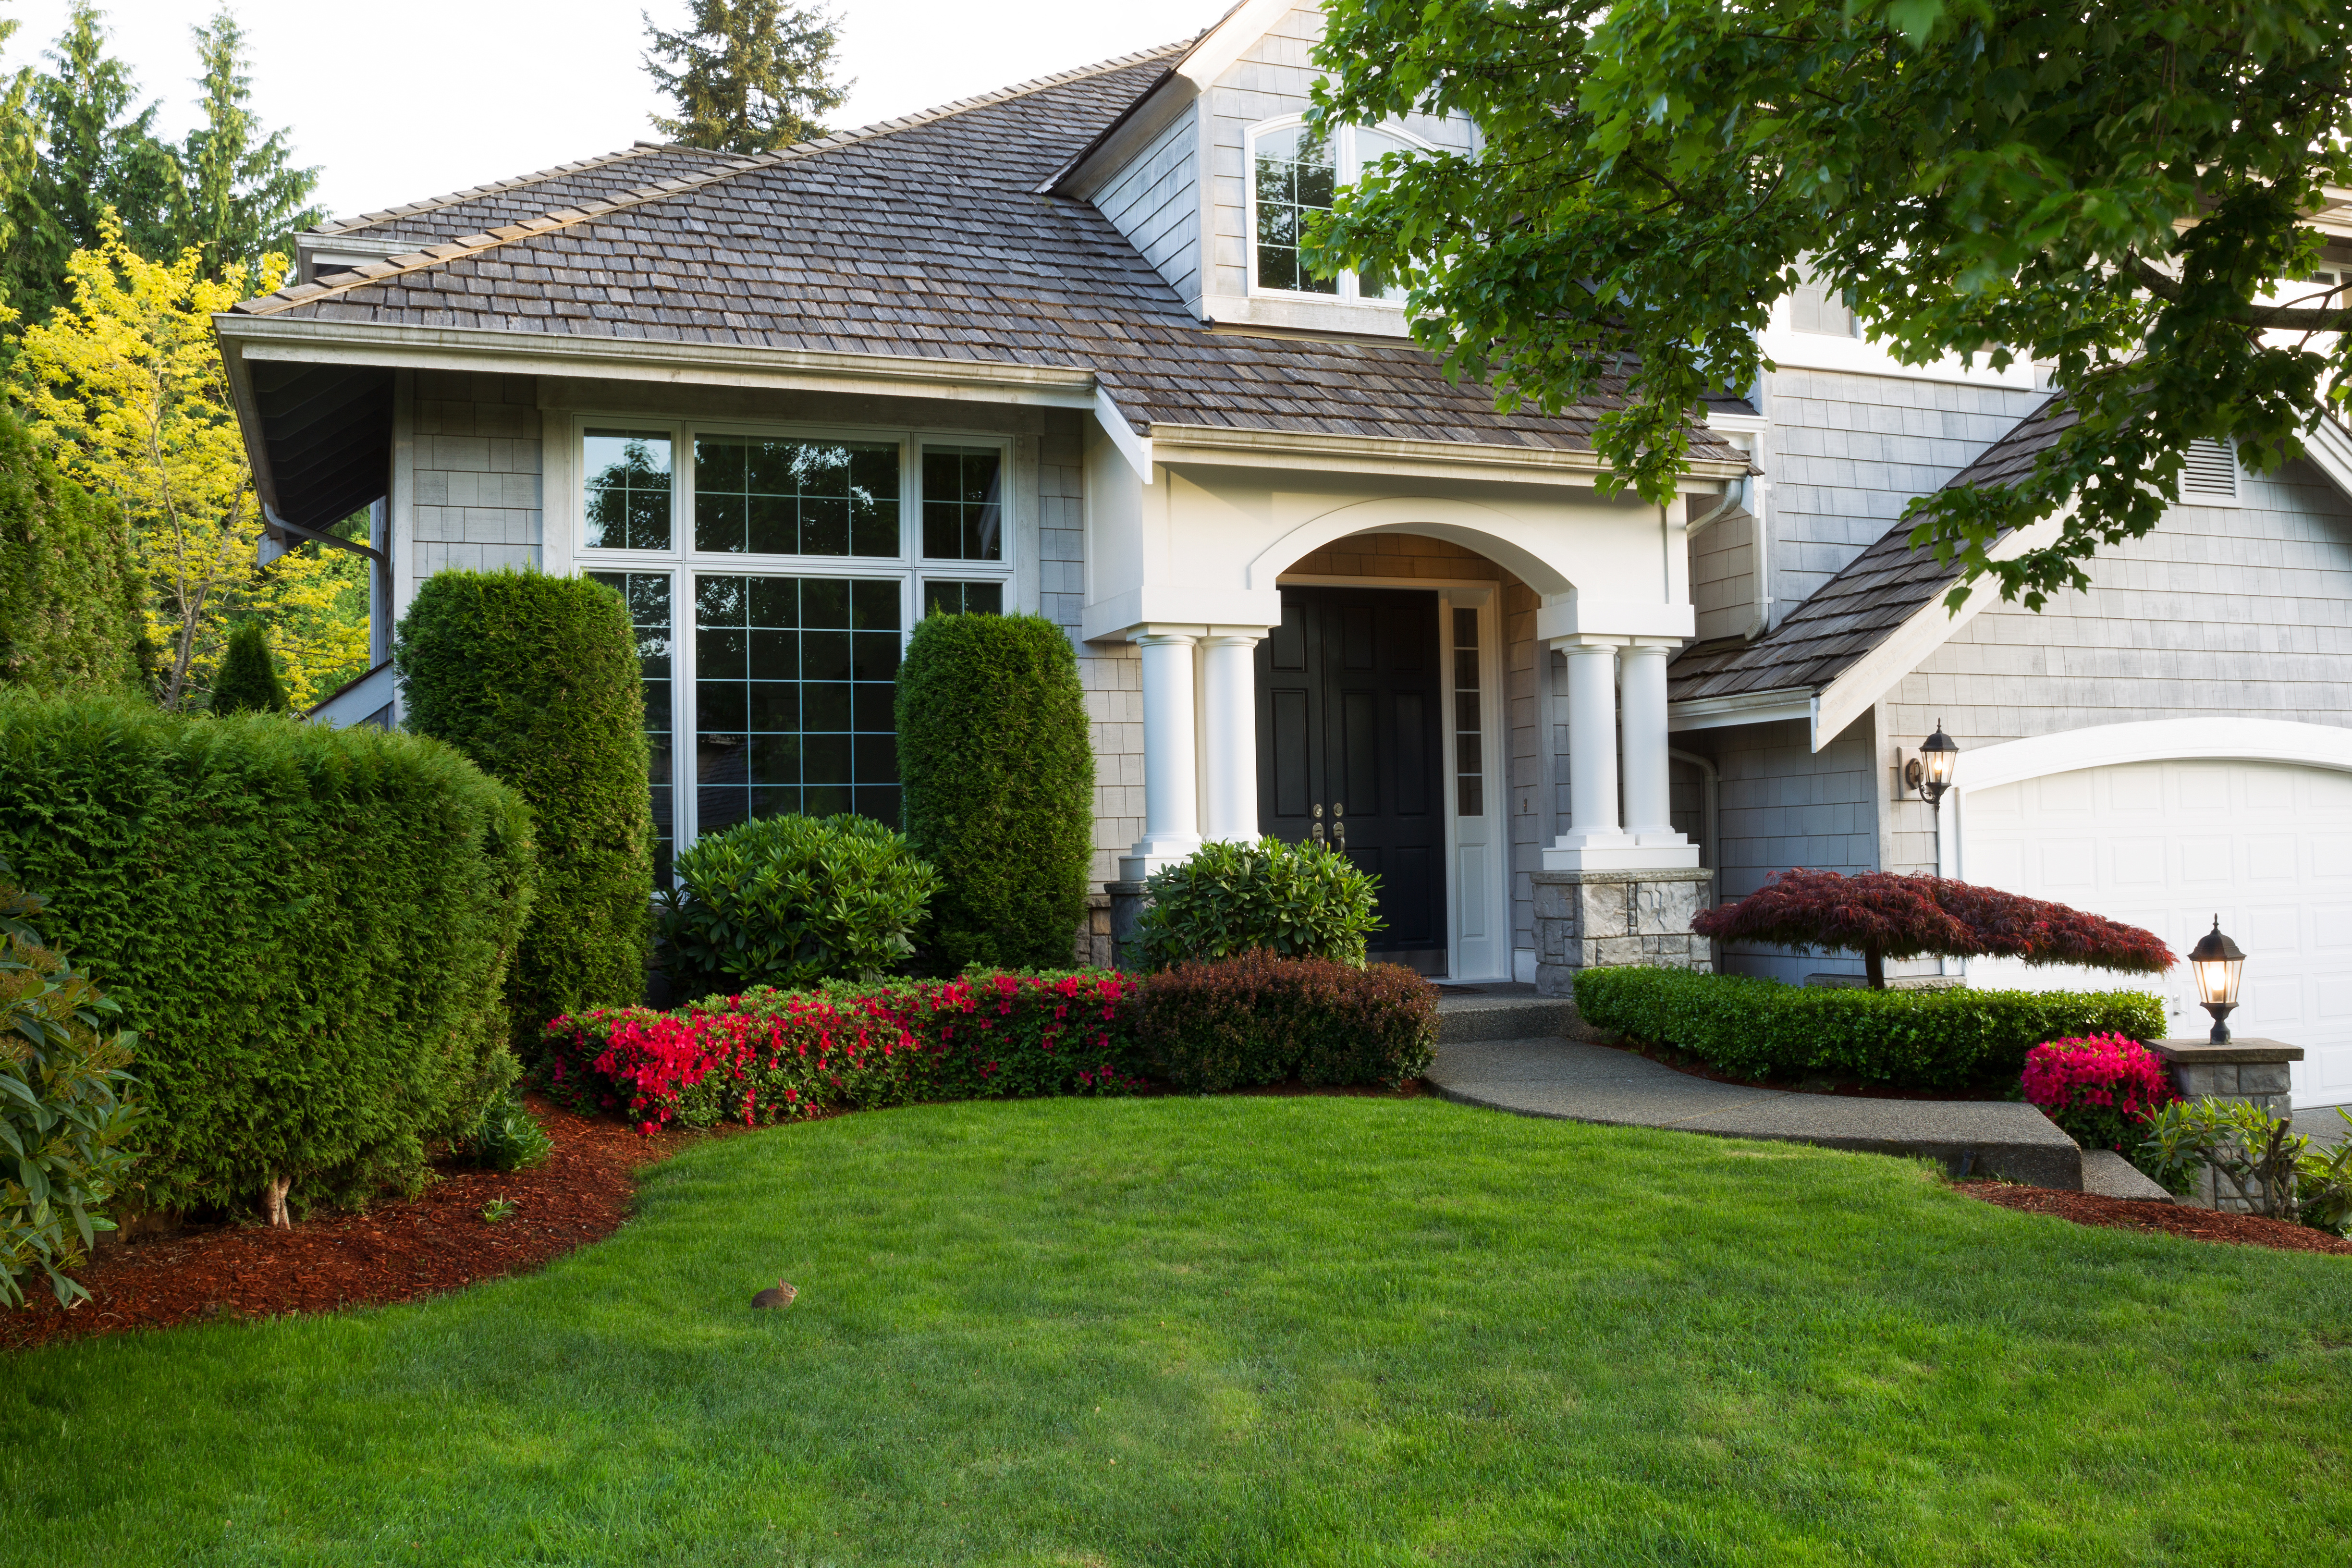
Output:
[[1351, 752]]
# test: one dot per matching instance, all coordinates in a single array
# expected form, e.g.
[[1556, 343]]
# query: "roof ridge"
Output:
[[435, 204], [430, 255]]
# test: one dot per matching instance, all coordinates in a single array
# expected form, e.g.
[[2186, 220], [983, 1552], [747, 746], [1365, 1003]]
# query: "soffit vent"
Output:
[[2211, 472]]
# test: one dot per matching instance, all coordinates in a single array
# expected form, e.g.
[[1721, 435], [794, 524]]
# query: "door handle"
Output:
[[1339, 825], [1315, 832]]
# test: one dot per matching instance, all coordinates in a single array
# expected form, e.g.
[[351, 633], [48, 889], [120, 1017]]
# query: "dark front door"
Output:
[[1348, 750]]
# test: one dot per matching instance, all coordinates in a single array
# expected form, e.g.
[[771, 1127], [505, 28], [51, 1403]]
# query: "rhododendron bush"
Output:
[[2101, 1089], [769, 1055], [1883, 915]]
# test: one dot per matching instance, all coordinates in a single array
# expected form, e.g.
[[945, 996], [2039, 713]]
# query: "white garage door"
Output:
[[2168, 845]]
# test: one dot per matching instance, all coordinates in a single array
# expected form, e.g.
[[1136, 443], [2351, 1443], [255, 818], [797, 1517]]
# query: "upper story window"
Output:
[[1295, 175]]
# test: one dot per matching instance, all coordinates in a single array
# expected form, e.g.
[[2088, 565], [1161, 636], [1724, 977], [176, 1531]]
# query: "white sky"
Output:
[[398, 102]]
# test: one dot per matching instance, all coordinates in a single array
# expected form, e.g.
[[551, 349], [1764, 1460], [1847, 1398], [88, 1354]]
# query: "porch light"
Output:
[[2218, 962], [1930, 772]]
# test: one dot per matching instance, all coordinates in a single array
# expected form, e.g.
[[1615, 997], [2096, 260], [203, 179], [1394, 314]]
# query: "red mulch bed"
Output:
[[2147, 1215], [395, 1252]]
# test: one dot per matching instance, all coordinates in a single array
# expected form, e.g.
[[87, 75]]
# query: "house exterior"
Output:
[[1051, 349]]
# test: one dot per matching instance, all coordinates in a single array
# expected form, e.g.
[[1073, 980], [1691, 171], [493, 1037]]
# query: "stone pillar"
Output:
[[1171, 819], [1589, 919], [1229, 734], [2253, 1071], [1648, 813]]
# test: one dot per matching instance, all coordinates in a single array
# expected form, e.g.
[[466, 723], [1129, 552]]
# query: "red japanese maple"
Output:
[[1883, 915]]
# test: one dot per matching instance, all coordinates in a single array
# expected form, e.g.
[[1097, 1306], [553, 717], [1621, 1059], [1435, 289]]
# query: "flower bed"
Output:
[[769, 1056]]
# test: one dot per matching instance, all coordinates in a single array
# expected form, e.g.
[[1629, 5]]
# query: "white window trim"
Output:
[[1350, 170], [565, 555]]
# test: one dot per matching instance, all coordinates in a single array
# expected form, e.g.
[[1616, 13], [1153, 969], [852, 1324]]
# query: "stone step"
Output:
[[1507, 1017], [2110, 1175]]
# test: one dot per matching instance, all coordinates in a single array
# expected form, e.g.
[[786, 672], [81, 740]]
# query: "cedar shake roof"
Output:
[[921, 236], [1873, 593]]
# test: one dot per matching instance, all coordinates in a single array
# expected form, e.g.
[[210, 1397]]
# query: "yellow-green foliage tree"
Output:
[[127, 390]]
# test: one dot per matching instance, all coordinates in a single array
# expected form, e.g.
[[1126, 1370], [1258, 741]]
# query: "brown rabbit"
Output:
[[782, 1296]]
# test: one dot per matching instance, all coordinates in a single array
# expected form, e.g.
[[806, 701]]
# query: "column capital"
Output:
[[1165, 637], [1658, 645], [1569, 642], [1235, 637]]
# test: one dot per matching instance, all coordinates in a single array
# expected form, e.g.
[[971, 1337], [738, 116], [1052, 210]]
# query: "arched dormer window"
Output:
[[1292, 174]]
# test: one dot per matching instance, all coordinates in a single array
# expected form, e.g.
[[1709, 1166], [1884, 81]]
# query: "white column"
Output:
[[1592, 744], [1229, 734], [1171, 819], [1648, 817]]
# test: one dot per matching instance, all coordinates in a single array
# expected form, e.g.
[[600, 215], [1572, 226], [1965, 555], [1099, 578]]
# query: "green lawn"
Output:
[[1242, 1331]]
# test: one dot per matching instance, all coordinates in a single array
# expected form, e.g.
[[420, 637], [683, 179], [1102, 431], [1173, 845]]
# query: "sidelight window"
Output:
[[647, 595], [1469, 753]]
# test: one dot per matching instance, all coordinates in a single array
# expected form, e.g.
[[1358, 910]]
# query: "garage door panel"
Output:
[[2168, 846]]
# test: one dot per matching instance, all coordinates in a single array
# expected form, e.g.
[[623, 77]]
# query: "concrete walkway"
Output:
[[1511, 1053]]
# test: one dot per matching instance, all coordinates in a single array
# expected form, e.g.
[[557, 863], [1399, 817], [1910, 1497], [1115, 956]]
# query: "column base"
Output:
[[1621, 852], [1593, 918], [1149, 855]]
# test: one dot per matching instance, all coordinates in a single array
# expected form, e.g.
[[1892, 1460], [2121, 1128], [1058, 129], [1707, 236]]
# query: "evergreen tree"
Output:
[[247, 679], [19, 151], [95, 151], [748, 76], [243, 197]]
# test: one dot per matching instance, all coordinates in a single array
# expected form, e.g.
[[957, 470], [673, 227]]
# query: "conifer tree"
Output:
[[243, 196], [247, 679], [98, 150], [748, 76]]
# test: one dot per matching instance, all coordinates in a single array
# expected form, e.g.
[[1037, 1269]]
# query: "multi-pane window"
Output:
[[770, 578], [1295, 175], [943, 598], [963, 515], [647, 595], [793, 679], [628, 499], [763, 495], [1469, 755]]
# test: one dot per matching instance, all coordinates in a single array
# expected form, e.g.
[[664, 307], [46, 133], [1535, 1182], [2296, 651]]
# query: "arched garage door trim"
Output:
[[2157, 739]]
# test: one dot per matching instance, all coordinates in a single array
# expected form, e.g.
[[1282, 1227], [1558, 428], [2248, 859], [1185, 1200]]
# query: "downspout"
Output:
[[1746, 492]]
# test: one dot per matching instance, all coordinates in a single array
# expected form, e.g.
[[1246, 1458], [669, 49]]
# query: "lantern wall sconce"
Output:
[[1930, 772], [2216, 963]]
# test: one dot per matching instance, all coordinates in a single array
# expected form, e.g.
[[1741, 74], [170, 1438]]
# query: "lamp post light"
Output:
[[1930, 772], [2218, 963]]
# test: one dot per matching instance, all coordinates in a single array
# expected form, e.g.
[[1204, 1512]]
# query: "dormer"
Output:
[[1227, 243]]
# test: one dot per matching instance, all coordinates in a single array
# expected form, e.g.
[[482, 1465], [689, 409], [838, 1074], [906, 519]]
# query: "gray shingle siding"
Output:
[[476, 503], [1848, 452], [1155, 201]]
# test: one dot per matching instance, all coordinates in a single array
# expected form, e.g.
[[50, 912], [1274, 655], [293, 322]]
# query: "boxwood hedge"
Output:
[[1927, 1039], [309, 928], [537, 680]]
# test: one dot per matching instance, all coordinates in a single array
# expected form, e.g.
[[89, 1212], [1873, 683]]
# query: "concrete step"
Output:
[[2110, 1175], [1504, 1018]]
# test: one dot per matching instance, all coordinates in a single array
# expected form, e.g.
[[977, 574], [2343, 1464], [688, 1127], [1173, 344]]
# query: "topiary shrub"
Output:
[[1299, 901], [309, 928], [72, 598], [1259, 1018], [998, 775], [792, 902], [537, 680], [1884, 914], [1923, 1039], [65, 1111], [246, 681]]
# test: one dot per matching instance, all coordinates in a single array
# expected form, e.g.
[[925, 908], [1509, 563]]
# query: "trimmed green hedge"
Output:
[[1258, 1018], [309, 928], [537, 680], [71, 593], [1926, 1039], [999, 779]]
